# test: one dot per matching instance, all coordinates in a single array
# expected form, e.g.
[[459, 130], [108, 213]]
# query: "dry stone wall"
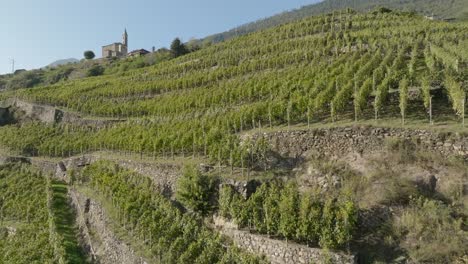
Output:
[[46, 114], [95, 229], [278, 251], [163, 175], [335, 142], [8, 159], [50, 115]]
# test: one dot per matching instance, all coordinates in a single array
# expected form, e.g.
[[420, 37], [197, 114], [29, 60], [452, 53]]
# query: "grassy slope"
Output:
[[64, 218]]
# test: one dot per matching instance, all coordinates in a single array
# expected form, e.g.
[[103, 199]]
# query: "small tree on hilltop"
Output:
[[89, 55], [178, 48]]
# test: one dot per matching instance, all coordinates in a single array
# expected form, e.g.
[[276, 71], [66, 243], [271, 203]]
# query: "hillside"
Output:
[[450, 10], [338, 138], [320, 69], [62, 62], [69, 69], [36, 221]]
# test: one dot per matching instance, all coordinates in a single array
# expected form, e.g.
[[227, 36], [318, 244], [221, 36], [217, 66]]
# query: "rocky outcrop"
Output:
[[102, 244], [278, 251], [64, 167], [244, 188], [336, 142]]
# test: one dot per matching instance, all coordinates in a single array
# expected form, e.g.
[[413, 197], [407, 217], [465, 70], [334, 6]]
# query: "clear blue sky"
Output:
[[36, 33]]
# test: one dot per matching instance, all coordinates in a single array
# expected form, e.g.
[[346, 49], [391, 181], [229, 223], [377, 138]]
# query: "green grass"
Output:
[[64, 218]]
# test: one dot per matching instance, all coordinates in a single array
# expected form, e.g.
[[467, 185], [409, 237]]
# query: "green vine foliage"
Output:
[[196, 190], [171, 235], [295, 73], [23, 201], [278, 209]]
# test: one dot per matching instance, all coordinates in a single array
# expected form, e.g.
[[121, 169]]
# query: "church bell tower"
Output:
[[125, 38]]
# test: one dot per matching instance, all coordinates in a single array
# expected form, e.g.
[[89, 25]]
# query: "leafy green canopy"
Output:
[[308, 71], [280, 210], [196, 191], [23, 208], [170, 235]]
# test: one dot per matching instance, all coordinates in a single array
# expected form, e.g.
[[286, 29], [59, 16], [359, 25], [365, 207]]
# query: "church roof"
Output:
[[116, 43], [138, 51]]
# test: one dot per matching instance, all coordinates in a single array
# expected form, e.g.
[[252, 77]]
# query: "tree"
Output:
[[178, 48], [196, 190], [89, 55]]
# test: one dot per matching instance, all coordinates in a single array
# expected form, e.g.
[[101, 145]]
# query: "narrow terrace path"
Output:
[[64, 218]]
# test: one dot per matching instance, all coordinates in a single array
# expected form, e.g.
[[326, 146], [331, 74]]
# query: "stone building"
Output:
[[116, 49], [138, 53]]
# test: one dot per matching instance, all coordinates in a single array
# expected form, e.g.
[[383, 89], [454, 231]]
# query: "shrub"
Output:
[[430, 233], [96, 70], [404, 149], [196, 190], [26, 79]]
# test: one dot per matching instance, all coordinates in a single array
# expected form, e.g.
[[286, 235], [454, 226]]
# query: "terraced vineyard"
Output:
[[36, 224], [146, 162], [327, 68]]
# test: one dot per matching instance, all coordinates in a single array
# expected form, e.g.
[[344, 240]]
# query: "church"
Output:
[[116, 49]]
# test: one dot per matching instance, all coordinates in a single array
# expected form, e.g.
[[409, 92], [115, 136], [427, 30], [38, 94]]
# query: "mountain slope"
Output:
[[452, 9], [62, 62]]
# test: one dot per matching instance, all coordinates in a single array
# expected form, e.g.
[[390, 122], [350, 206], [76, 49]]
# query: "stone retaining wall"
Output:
[[50, 115], [336, 142], [94, 226], [163, 175], [7, 159], [46, 114], [278, 251]]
